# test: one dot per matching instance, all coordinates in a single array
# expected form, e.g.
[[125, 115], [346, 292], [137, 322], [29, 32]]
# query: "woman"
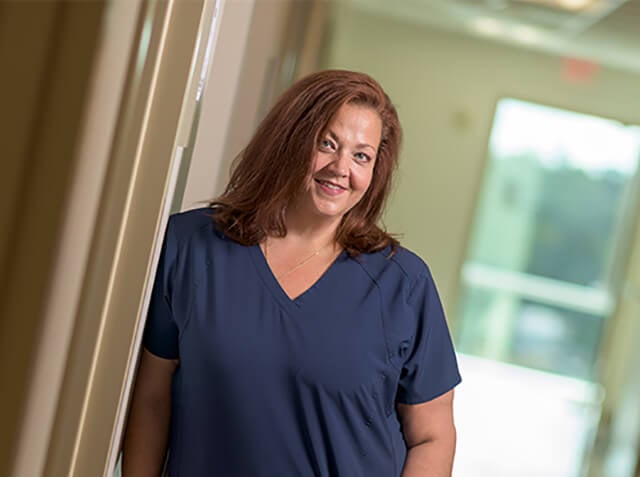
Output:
[[288, 334]]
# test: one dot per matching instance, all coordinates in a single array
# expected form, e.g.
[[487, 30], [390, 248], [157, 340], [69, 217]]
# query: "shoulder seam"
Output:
[[412, 287], [381, 313], [191, 231], [402, 268]]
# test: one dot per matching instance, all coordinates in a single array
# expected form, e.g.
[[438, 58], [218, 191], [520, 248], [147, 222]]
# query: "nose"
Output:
[[340, 164]]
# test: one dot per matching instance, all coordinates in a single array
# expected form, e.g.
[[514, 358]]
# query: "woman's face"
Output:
[[342, 166]]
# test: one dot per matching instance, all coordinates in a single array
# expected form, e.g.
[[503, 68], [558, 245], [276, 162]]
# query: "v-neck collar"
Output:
[[272, 283]]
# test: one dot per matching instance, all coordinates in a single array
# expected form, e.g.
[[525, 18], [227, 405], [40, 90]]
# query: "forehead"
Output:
[[354, 109], [357, 119]]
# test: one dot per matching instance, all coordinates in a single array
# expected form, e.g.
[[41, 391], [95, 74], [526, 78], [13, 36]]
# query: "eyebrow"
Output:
[[363, 144]]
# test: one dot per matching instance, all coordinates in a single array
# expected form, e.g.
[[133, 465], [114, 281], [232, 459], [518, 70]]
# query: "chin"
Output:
[[329, 210], [326, 214]]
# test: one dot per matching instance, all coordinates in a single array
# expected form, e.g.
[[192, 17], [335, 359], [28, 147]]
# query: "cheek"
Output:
[[361, 179], [320, 161]]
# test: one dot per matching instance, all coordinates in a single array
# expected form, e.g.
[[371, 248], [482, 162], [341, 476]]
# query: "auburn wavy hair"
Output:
[[276, 163]]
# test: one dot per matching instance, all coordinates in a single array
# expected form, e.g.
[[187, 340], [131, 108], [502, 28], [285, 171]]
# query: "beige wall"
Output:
[[446, 87], [244, 74], [257, 79], [217, 103]]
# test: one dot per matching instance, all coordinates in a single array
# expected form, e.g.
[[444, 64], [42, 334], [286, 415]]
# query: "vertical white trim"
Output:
[[199, 70], [114, 449]]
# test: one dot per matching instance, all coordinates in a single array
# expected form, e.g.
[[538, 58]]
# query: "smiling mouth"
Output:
[[330, 185]]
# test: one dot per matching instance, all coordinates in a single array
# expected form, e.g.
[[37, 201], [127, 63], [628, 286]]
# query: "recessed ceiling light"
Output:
[[525, 34], [487, 26], [572, 5], [575, 4]]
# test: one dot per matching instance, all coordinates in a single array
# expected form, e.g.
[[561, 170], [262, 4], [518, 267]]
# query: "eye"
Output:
[[362, 157], [327, 145]]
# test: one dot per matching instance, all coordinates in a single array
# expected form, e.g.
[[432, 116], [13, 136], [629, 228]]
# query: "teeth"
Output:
[[330, 185]]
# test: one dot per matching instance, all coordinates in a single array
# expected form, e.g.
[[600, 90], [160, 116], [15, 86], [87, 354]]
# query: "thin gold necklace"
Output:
[[298, 265]]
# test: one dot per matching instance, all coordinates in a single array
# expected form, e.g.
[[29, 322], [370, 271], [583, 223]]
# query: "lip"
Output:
[[330, 190]]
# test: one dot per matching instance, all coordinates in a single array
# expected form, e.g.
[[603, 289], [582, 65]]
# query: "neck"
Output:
[[319, 233]]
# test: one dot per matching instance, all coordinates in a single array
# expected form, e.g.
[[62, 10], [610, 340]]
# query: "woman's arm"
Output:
[[430, 435], [145, 440]]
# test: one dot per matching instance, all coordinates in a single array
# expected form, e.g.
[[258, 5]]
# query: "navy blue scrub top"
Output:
[[268, 386]]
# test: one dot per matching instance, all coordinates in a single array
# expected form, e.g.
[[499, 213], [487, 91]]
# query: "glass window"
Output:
[[540, 268]]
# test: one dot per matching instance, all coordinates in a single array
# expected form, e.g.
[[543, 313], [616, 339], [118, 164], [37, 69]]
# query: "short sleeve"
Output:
[[431, 367], [161, 331]]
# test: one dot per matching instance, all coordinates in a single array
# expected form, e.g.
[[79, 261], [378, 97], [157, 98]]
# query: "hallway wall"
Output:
[[445, 87]]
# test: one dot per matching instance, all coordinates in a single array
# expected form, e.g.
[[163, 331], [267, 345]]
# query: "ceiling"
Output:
[[603, 31]]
